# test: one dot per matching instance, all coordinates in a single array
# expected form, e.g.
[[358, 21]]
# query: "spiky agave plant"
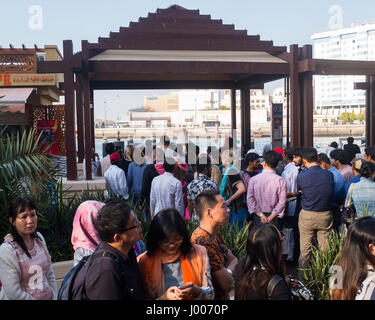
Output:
[[318, 273], [25, 168]]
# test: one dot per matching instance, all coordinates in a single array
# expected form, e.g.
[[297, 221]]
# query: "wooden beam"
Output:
[[344, 67], [69, 112], [306, 65], [145, 85], [50, 67], [192, 67]]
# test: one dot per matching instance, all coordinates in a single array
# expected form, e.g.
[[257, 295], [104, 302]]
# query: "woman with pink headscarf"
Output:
[[85, 236]]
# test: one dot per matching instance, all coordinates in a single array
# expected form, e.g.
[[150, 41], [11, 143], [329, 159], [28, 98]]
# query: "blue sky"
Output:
[[285, 22]]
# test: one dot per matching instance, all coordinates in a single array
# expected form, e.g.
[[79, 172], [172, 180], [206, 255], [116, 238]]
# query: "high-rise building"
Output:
[[335, 94]]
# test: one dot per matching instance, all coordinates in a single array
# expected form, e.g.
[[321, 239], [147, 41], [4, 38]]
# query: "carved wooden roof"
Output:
[[177, 28]]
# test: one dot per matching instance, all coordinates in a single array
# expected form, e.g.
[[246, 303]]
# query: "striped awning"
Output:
[[14, 99]]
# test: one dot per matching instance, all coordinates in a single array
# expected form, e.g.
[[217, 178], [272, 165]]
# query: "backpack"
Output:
[[73, 285], [300, 292]]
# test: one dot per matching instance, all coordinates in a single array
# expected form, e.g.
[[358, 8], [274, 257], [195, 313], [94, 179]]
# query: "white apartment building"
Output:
[[335, 94], [198, 100], [258, 99]]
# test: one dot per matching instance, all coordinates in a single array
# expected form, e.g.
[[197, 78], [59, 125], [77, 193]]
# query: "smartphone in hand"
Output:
[[185, 286]]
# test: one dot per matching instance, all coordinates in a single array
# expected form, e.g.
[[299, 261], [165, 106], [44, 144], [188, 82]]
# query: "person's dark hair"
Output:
[[370, 151], [203, 163], [339, 155], [350, 140], [263, 255], [334, 144], [229, 142], [298, 151], [18, 205], [367, 170], [164, 140], [113, 218], [322, 157], [164, 224], [310, 154], [288, 152], [109, 148], [354, 257], [206, 199], [251, 157], [272, 158], [169, 164]]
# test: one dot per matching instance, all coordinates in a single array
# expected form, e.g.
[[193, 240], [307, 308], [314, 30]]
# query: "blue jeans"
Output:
[[239, 217]]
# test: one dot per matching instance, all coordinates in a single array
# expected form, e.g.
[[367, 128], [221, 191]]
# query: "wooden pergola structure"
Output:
[[176, 48]]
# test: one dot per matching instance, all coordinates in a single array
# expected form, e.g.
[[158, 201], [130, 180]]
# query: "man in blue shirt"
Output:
[[338, 189], [316, 186], [356, 167]]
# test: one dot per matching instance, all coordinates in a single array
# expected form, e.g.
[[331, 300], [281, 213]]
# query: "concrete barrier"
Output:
[[61, 269]]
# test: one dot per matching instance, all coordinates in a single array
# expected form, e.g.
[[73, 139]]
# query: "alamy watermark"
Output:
[[186, 151], [336, 21], [336, 280], [36, 19]]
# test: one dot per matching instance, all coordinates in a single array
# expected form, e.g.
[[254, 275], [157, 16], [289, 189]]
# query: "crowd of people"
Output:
[[173, 184]]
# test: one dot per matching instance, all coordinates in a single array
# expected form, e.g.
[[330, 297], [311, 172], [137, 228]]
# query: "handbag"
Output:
[[296, 287], [348, 212]]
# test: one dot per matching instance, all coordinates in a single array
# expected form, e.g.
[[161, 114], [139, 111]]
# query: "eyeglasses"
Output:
[[168, 243], [133, 227]]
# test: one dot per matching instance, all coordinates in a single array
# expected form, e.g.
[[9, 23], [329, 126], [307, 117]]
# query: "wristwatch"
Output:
[[261, 215]]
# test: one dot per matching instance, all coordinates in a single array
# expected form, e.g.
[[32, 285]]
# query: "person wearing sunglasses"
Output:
[[112, 271], [173, 268]]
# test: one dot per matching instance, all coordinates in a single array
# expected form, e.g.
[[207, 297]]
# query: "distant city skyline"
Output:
[[46, 22]]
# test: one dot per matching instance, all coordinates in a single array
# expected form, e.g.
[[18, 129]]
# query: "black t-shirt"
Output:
[[352, 149], [149, 174], [233, 179]]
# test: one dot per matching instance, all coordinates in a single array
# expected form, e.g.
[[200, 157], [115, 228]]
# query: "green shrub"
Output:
[[317, 274]]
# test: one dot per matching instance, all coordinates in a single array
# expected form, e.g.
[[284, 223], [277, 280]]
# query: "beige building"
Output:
[[161, 103]]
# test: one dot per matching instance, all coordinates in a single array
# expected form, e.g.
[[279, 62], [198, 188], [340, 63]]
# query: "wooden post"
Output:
[[80, 123], [294, 98], [370, 139], [233, 110], [86, 107], [92, 125], [71, 160], [307, 123], [245, 117]]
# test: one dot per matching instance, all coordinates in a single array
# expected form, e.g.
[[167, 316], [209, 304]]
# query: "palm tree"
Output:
[[25, 168]]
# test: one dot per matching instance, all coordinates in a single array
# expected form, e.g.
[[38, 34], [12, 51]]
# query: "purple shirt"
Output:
[[267, 193], [347, 172]]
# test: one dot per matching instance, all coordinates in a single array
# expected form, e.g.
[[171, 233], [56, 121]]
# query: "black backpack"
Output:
[[73, 285]]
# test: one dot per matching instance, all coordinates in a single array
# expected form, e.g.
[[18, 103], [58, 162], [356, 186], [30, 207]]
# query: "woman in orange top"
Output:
[[173, 268]]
